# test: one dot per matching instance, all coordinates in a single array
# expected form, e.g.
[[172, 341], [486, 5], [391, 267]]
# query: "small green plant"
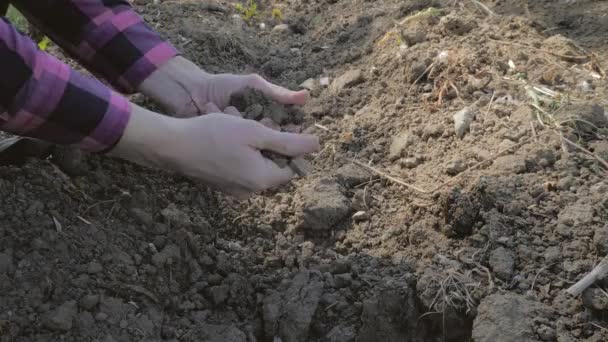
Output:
[[277, 14], [17, 19], [249, 10], [21, 24]]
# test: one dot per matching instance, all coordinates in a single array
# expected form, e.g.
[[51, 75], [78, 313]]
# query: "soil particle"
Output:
[[595, 299], [170, 253], [349, 79], [600, 239], [62, 318], [175, 217], [219, 294], [461, 212], [323, 205], [502, 263], [88, 302], [455, 167], [94, 268], [343, 280], [508, 317], [351, 175], [288, 312], [361, 216]]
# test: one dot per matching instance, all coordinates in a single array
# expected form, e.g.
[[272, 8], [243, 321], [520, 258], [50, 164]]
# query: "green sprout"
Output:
[[277, 14], [249, 10]]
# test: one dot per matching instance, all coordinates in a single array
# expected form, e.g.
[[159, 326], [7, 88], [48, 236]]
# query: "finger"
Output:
[[211, 108], [277, 93], [232, 111], [287, 144], [273, 175]]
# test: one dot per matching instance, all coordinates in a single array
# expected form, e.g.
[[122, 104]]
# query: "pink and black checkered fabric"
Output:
[[42, 97]]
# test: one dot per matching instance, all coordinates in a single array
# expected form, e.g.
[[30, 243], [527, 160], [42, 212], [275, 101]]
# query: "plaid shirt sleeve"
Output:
[[106, 36], [44, 98]]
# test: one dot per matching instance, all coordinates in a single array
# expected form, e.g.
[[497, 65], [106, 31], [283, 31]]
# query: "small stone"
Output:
[[455, 167], [351, 175], [463, 119], [324, 81], [502, 263], [123, 324], [343, 280], [360, 216], [362, 200], [94, 268], [301, 166], [323, 206], [61, 319], [88, 302], [411, 163], [349, 79], [584, 86], [219, 294], [281, 28], [399, 144], [309, 84]]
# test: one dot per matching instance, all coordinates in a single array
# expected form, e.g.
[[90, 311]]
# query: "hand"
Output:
[[186, 90], [221, 150]]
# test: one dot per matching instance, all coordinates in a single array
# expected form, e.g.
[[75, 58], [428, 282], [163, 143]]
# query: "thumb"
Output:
[[277, 93], [288, 144]]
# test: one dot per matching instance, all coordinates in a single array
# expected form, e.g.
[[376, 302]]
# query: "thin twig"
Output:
[[581, 58], [599, 271], [598, 158], [484, 7], [389, 177]]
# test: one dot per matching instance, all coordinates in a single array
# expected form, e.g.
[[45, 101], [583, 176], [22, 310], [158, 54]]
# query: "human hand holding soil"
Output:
[[184, 89], [223, 151]]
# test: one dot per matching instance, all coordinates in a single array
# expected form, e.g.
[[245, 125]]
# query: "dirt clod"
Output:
[[61, 319], [461, 212], [349, 79], [502, 263], [288, 312], [508, 317], [323, 205]]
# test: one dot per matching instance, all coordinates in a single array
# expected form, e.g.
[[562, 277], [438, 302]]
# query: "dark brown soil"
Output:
[[480, 245]]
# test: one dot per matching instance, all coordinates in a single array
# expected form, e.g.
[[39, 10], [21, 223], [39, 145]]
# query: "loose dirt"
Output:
[[455, 231]]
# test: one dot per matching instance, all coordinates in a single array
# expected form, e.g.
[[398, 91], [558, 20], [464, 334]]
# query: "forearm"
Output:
[[108, 38], [44, 98]]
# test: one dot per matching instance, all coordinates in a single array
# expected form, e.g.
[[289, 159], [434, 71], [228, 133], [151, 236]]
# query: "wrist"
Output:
[[147, 138]]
